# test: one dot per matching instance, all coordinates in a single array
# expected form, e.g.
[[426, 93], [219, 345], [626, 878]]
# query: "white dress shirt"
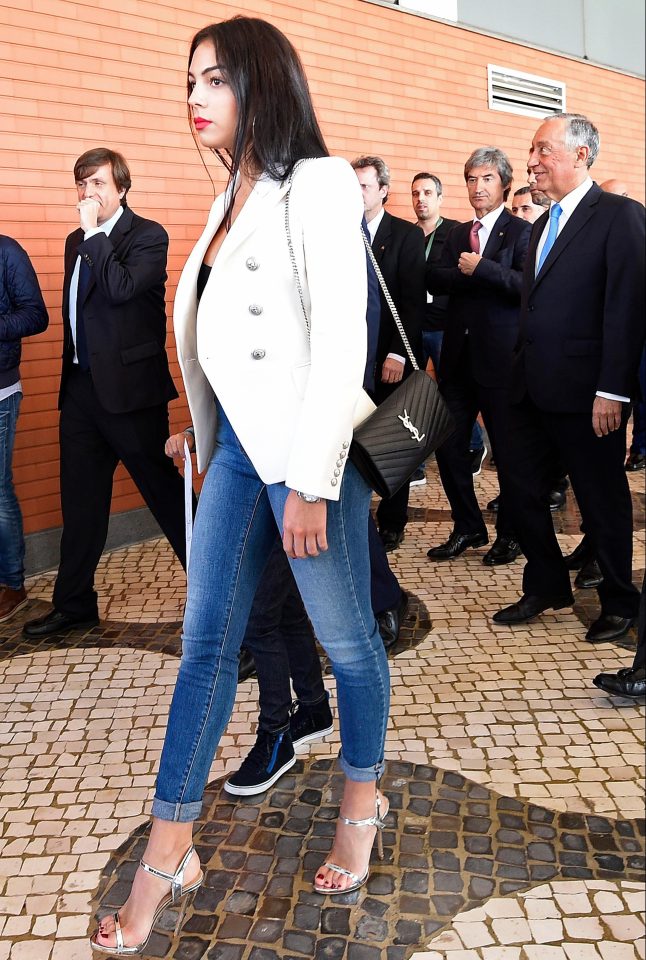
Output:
[[74, 282], [568, 205], [487, 224]]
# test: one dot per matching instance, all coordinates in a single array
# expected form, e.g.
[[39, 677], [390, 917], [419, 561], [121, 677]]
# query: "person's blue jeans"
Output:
[[432, 347], [235, 528], [12, 541]]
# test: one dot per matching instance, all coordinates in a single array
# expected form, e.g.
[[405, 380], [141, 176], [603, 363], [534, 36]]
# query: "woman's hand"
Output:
[[174, 447], [304, 526]]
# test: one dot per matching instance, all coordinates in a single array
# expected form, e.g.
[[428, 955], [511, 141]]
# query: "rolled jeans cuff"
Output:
[[177, 812], [361, 774]]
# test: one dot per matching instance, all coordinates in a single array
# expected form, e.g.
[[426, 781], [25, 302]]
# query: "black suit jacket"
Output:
[[399, 250], [485, 303], [435, 318], [582, 317], [124, 313]]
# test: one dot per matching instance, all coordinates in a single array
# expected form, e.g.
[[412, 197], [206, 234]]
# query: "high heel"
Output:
[[178, 892], [377, 821]]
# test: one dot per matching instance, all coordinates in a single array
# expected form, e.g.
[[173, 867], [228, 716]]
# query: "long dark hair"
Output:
[[276, 121]]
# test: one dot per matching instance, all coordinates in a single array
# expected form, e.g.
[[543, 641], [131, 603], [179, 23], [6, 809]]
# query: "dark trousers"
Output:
[[640, 653], [92, 442], [281, 639], [464, 398], [385, 592], [392, 512], [638, 444], [596, 469]]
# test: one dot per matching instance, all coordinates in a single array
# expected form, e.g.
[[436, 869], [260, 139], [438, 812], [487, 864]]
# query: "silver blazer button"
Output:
[[333, 482], [251, 263], [258, 354], [255, 309]]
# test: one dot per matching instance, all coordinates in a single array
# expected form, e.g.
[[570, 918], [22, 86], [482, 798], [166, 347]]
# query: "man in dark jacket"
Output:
[[398, 247], [115, 383], [22, 314]]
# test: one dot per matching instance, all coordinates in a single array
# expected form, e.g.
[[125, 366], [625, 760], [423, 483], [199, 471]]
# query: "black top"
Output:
[[202, 280]]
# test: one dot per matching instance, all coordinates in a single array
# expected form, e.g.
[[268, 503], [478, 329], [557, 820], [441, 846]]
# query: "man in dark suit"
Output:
[[427, 195], [574, 373], [480, 270], [115, 383], [398, 247]]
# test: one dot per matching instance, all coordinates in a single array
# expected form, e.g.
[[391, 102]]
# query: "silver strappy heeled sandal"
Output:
[[377, 821], [178, 892]]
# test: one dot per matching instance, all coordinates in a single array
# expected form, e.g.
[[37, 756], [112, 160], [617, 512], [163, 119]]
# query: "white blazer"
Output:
[[292, 400]]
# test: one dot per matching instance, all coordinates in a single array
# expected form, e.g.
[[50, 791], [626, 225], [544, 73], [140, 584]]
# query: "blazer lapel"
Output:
[[264, 197], [578, 220], [382, 237], [497, 235]]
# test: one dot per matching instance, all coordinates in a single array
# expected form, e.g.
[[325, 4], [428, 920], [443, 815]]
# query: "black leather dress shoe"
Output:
[[390, 621], [629, 682], [457, 544], [609, 627], [636, 461], [494, 504], [530, 606], [56, 622], [246, 665], [589, 576], [503, 550], [581, 555], [391, 538]]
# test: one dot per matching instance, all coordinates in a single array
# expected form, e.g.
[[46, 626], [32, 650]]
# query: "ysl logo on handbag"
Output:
[[408, 423]]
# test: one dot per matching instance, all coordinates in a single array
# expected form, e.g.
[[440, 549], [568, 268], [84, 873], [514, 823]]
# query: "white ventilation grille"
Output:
[[524, 93]]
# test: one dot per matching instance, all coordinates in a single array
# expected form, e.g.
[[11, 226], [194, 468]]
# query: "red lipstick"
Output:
[[201, 123]]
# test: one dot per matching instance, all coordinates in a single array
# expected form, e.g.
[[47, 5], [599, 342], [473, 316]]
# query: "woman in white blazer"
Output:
[[273, 405]]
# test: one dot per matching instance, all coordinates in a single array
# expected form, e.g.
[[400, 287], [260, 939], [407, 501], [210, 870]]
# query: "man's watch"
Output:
[[308, 497]]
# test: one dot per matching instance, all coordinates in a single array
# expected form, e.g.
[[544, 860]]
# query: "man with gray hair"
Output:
[[574, 374], [480, 270]]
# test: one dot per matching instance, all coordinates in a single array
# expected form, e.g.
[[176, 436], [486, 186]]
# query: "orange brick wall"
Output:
[[77, 74]]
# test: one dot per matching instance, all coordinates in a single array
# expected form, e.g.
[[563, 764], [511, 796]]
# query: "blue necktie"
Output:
[[555, 212], [81, 340]]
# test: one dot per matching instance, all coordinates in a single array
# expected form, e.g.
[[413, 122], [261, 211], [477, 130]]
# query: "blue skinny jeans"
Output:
[[235, 528], [12, 541]]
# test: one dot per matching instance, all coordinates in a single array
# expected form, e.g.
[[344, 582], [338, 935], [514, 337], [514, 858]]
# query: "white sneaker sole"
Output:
[[255, 788], [310, 738], [479, 470]]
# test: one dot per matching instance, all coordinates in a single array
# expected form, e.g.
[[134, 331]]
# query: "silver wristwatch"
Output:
[[308, 497]]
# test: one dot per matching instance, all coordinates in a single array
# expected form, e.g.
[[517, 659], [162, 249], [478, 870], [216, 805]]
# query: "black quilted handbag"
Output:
[[406, 428], [389, 446]]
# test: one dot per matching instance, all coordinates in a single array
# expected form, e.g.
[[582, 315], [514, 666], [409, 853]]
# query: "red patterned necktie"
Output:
[[474, 239]]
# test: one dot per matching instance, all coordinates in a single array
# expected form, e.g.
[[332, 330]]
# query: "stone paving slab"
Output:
[[561, 920]]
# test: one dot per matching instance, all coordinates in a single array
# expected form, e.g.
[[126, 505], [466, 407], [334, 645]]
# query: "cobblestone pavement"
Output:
[[516, 787]]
